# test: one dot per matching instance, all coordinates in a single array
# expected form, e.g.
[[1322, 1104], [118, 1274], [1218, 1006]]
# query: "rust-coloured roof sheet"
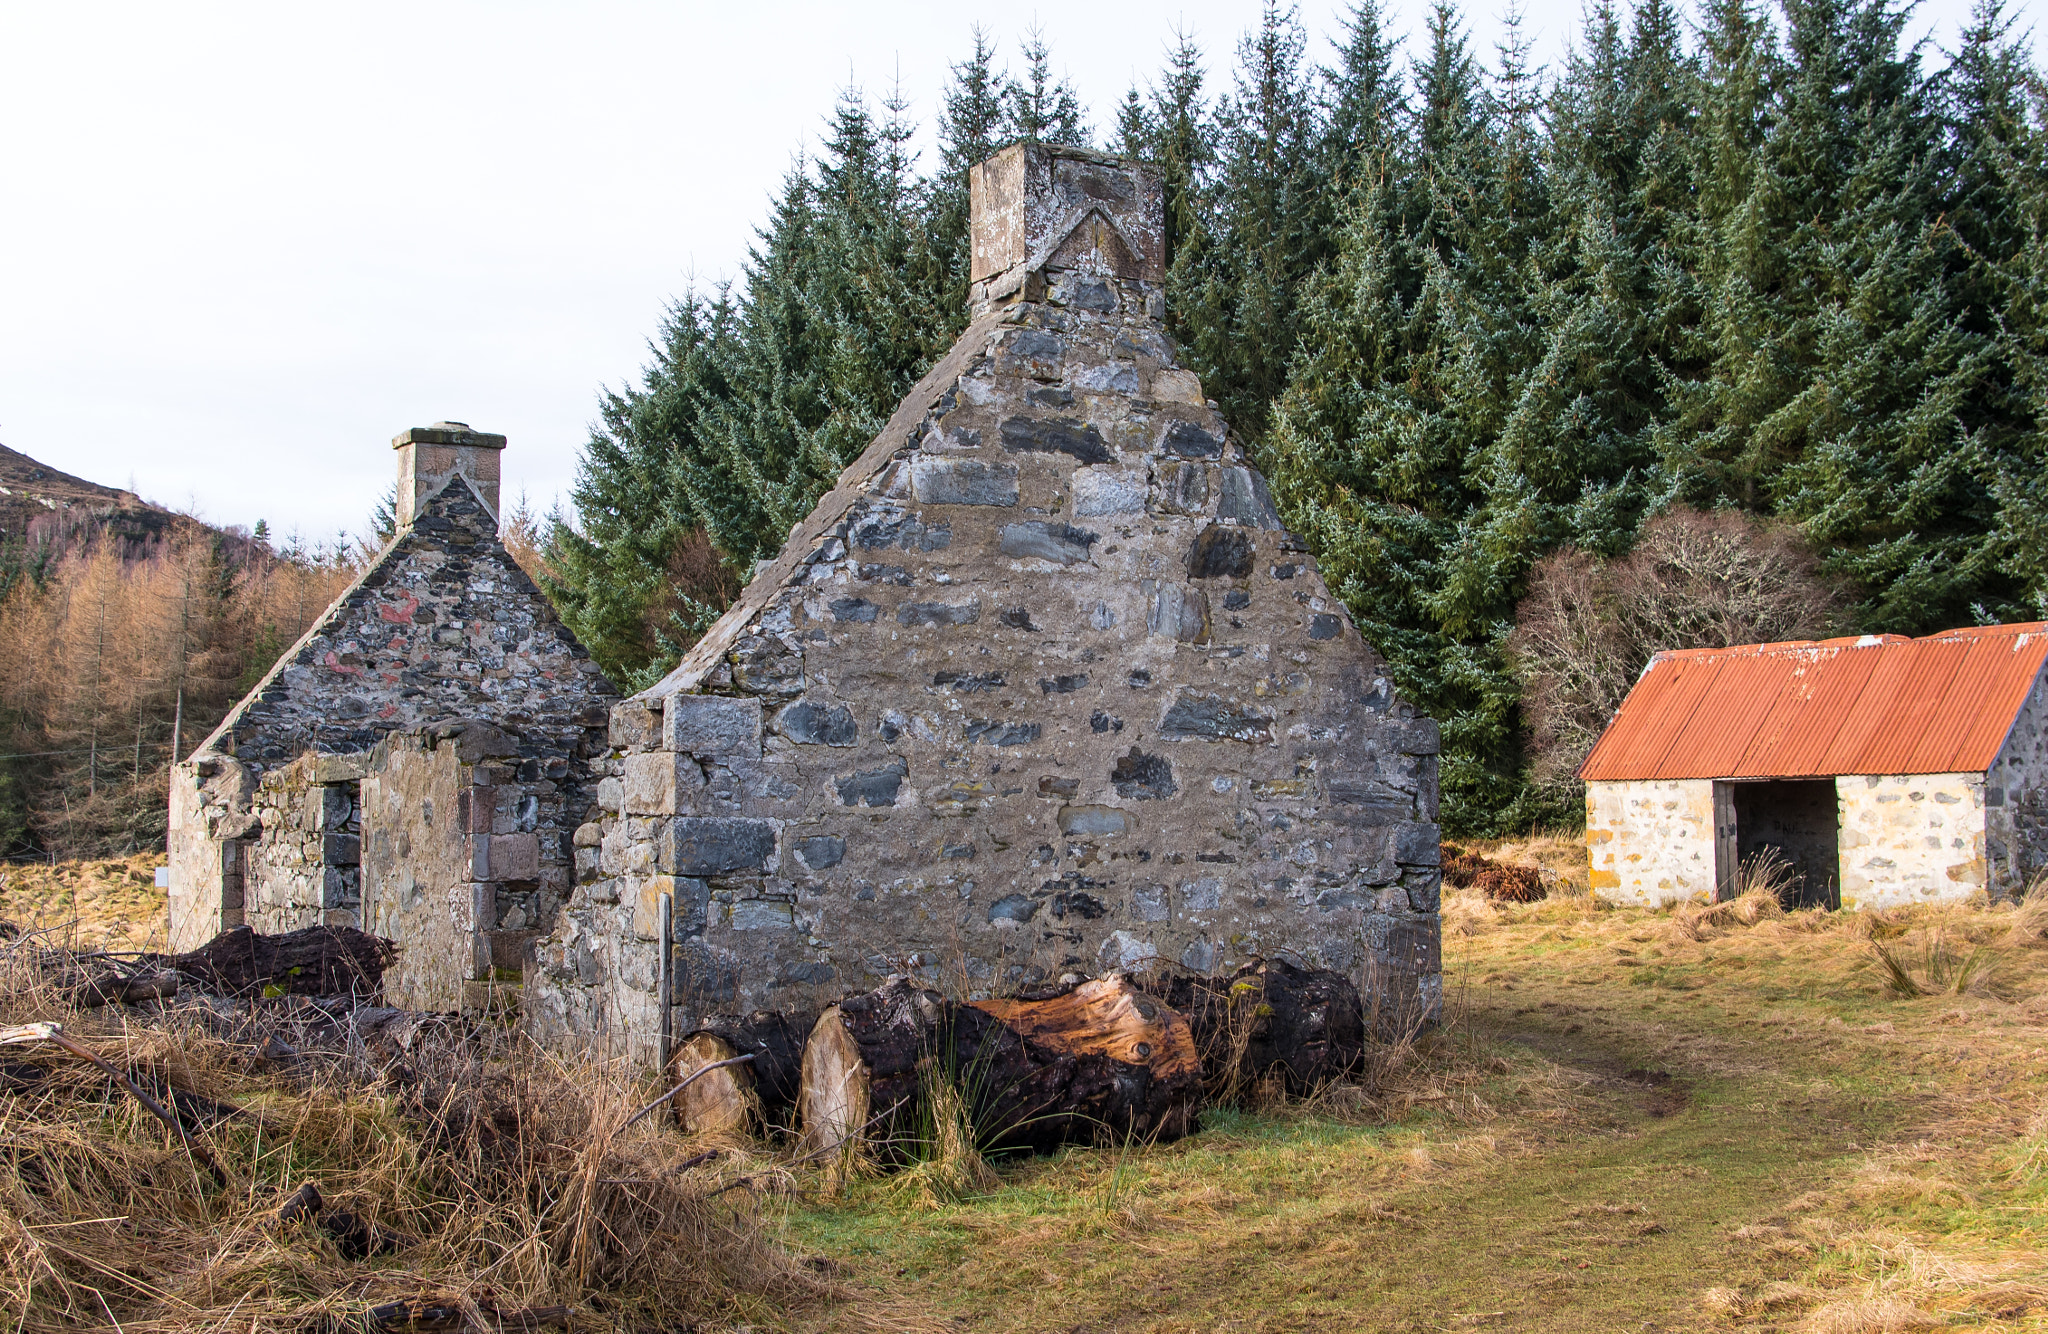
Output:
[[1879, 704]]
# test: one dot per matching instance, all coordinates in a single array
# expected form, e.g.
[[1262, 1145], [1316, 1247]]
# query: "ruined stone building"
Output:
[[1882, 770], [1041, 687], [416, 764]]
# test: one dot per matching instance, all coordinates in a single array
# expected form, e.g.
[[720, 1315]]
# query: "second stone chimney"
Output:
[[1039, 208], [430, 456]]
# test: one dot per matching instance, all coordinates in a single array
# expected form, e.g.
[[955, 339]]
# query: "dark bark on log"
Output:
[[767, 1086], [1269, 1017], [1100, 1062], [313, 961], [303, 1204]]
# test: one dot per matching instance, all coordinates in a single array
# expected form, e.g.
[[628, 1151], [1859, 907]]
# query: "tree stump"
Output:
[[861, 1064], [1270, 1017]]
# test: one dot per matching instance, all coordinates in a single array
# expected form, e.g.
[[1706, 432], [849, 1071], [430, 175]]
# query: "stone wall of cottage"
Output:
[[2016, 799], [444, 625], [1043, 689], [1652, 842], [466, 859]]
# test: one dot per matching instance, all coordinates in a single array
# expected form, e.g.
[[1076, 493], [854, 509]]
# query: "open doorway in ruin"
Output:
[[1800, 821]]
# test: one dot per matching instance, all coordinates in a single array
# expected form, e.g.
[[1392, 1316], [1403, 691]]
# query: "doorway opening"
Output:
[[1798, 820]]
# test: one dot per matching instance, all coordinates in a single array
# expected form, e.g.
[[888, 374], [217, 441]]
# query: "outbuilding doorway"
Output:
[[1800, 821]]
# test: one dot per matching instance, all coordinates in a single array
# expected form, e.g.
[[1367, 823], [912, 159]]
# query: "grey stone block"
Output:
[[939, 613], [1180, 614], [1220, 553], [1032, 353], [821, 852], [1190, 441], [989, 732], [873, 787], [1056, 435], [1143, 777], [963, 482], [699, 846], [812, 724], [1417, 844], [1099, 491], [1036, 540], [1013, 908], [763, 915], [1246, 499], [711, 725], [1213, 718], [1093, 821]]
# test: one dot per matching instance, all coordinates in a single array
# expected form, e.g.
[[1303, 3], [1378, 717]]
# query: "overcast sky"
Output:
[[243, 245]]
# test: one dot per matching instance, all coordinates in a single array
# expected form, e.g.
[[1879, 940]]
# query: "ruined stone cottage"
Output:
[[416, 764], [1041, 687]]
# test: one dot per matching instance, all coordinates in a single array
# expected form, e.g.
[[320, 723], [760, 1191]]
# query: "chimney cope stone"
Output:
[[1044, 207], [429, 457]]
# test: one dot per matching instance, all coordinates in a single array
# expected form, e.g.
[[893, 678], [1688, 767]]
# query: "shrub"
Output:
[[1588, 627]]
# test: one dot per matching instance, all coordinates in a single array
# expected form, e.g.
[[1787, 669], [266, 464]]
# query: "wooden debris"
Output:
[[313, 961], [1101, 1061], [355, 1237]]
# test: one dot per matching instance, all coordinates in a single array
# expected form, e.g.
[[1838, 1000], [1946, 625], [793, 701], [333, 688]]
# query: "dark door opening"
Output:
[[1798, 820]]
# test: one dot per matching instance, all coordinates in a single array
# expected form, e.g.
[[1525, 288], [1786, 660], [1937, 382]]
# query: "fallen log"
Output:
[[758, 1095], [1099, 1062], [312, 961], [1109, 1062], [1270, 1017]]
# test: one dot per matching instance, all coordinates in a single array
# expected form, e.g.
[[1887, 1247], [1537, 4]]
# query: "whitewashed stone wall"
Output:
[[1651, 842], [1911, 838]]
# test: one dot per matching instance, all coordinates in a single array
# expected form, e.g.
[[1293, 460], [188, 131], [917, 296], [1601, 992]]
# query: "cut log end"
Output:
[[718, 1102], [833, 1100]]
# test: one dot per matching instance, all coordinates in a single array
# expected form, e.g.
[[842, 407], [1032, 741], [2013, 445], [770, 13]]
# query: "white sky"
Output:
[[243, 245]]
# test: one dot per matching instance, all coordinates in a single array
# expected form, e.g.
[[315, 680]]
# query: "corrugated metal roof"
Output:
[[1879, 704]]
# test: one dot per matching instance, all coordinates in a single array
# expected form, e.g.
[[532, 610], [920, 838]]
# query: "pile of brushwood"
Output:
[[242, 1138], [1503, 882]]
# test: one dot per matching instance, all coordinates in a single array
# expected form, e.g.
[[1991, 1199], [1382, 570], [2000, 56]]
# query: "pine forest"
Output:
[[1732, 328]]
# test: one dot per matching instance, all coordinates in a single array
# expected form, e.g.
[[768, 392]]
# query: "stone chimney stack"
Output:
[[429, 456], [1044, 209]]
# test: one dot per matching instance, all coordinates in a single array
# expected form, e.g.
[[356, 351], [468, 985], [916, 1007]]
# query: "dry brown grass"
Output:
[[108, 904], [509, 1177]]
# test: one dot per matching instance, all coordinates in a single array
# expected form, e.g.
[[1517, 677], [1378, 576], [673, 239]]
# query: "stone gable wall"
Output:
[[444, 625], [2016, 798], [1055, 693]]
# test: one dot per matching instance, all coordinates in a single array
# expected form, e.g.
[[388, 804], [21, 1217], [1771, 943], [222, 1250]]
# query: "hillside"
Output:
[[126, 631], [44, 506]]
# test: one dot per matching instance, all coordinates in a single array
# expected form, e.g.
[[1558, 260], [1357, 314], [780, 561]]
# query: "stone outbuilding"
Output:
[[416, 764], [1884, 770], [1041, 687]]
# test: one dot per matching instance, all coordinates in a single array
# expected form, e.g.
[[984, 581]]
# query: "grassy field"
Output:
[[1696, 1119], [1632, 1120], [111, 904]]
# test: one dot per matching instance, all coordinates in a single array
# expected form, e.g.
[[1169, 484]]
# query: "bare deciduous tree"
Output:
[[1589, 627]]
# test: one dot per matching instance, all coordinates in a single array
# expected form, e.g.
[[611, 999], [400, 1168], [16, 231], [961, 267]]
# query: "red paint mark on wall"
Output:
[[400, 613]]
